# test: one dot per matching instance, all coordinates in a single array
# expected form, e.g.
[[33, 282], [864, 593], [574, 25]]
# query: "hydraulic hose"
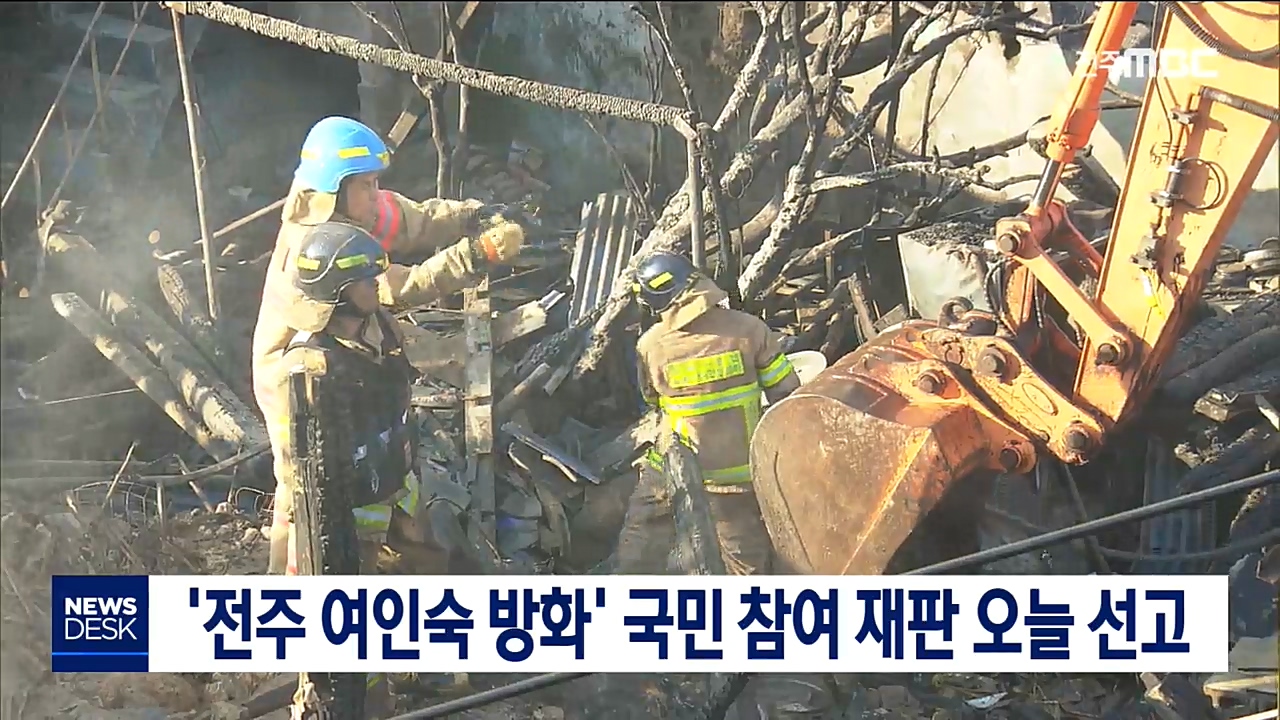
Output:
[[1257, 57]]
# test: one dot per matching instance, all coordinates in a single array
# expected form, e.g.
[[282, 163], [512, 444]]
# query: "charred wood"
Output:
[[132, 362], [193, 320], [220, 409]]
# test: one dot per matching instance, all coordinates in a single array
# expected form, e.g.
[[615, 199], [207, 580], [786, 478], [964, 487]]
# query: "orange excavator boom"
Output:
[[905, 417]]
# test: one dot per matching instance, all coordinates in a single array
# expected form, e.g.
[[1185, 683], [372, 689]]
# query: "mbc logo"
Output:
[[1143, 63]]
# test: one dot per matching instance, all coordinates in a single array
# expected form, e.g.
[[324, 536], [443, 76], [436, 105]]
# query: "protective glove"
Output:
[[499, 244]]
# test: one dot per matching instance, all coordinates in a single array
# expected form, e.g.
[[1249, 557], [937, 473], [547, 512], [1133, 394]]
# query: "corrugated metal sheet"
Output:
[[606, 241]]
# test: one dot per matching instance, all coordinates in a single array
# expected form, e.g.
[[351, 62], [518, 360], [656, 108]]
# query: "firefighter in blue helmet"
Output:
[[337, 180]]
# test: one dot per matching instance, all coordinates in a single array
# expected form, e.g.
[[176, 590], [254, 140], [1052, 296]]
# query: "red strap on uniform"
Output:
[[389, 219]]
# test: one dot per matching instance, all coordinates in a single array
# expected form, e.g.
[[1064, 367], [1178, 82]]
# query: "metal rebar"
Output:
[[1068, 479], [53, 107], [197, 169], [480, 699]]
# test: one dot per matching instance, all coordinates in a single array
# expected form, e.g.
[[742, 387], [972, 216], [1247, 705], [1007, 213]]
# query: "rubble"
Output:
[[528, 413]]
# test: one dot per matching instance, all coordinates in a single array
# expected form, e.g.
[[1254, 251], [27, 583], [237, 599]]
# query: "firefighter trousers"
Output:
[[648, 532]]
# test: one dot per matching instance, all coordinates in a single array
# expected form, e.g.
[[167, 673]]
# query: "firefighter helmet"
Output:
[[661, 277], [337, 148], [333, 256]]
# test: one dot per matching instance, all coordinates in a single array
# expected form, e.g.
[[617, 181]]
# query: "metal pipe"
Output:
[[698, 243], [480, 699], [53, 107], [1093, 527], [197, 171]]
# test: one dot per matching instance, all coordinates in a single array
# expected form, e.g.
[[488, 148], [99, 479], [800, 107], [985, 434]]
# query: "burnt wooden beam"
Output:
[[444, 357], [191, 318], [133, 363], [697, 548], [198, 383], [478, 420], [320, 439]]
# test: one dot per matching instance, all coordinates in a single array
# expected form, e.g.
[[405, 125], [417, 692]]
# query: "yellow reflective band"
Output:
[[377, 518], [349, 153], [743, 396], [655, 458], [372, 679], [350, 261], [373, 518], [660, 280], [307, 263], [776, 371], [409, 503], [704, 370], [737, 475]]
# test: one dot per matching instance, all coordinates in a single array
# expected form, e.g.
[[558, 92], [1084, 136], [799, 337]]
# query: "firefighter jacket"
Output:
[[373, 383], [706, 366], [404, 227]]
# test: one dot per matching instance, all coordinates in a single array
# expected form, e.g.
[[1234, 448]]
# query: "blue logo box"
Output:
[[100, 623]]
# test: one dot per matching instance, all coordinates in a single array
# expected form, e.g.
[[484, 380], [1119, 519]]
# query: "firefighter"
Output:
[[705, 366], [337, 180], [344, 333]]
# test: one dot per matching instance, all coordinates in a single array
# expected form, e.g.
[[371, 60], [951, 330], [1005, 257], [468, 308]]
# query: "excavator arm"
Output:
[[1203, 133], [905, 417]]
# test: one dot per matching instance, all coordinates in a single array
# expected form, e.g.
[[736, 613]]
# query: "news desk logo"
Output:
[[1145, 63], [100, 623]]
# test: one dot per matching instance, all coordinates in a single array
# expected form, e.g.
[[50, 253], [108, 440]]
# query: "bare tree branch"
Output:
[[749, 78]]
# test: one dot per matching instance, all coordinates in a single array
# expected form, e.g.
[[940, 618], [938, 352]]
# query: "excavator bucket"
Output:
[[848, 466]]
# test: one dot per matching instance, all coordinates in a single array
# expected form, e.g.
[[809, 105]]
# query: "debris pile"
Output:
[[86, 537]]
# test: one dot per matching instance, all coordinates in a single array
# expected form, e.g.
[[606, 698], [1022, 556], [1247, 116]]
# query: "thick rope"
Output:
[[556, 96]]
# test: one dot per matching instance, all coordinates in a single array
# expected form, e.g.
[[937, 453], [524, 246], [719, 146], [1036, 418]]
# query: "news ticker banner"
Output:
[[666, 624]]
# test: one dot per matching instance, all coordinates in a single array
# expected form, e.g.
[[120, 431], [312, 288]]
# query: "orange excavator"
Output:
[[906, 423]]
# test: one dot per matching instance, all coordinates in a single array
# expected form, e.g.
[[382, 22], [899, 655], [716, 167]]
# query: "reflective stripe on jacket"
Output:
[[705, 366]]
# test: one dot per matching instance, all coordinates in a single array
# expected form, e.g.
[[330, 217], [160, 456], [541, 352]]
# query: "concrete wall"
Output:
[[598, 46], [982, 98], [382, 91]]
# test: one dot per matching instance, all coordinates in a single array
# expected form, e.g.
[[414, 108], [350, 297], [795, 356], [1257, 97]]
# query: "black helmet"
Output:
[[661, 277], [334, 255]]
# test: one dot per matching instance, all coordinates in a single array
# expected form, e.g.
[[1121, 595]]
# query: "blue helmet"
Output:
[[337, 148]]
